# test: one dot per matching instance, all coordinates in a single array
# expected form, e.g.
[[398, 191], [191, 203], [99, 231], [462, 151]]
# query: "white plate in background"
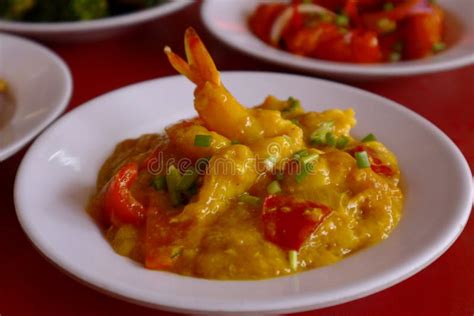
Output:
[[227, 20], [58, 175], [40, 87], [78, 31]]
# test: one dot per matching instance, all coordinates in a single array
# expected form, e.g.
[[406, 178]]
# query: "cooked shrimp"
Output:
[[222, 113], [219, 110], [183, 134], [231, 172]]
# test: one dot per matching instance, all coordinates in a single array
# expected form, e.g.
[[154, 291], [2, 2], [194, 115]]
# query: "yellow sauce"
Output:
[[246, 193], [226, 239]]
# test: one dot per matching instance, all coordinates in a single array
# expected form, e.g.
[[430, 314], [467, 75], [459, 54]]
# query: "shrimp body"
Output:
[[221, 112], [183, 134]]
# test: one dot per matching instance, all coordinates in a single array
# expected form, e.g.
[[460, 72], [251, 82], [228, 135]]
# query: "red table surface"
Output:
[[29, 285]]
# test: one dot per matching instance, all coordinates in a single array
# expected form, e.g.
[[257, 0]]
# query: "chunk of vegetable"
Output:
[[274, 187], [289, 221], [159, 183], [250, 199], [362, 159], [293, 258], [173, 178], [119, 205], [203, 140]]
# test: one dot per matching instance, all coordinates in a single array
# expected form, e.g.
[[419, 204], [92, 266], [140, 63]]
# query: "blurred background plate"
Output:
[[92, 29], [40, 88], [227, 20]]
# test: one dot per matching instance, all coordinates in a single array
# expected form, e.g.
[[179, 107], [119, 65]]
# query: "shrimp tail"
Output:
[[199, 67]]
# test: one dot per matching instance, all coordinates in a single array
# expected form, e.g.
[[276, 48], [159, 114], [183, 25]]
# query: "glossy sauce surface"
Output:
[[214, 232]]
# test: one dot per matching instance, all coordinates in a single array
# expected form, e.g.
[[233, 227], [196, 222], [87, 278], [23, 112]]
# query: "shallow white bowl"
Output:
[[227, 20], [59, 171], [90, 30], [41, 86]]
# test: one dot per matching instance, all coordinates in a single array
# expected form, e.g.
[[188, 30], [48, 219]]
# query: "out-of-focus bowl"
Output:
[[227, 20], [40, 87], [90, 30]]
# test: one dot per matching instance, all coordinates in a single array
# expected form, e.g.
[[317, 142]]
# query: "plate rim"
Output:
[[299, 303], [94, 25], [319, 66], [16, 146]]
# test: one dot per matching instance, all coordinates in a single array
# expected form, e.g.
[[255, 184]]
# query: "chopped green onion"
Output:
[[280, 176], [369, 138], [293, 104], [437, 47], [202, 140], [235, 142], [342, 142], [394, 57], [274, 187], [296, 122], [293, 259], [303, 172], [386, 25], [187, 180], [342, 20], [250, 199], [330, 139], [189, 193], [309, 158], [396, 54], [388, 6], [362, 159], [159, 183], [172, 179], [300, 154], [318, 136]]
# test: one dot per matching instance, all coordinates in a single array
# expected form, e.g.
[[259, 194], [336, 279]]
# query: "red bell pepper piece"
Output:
[[421, 32], [365, 47], [357, 46], [120, 206], [289, 221]]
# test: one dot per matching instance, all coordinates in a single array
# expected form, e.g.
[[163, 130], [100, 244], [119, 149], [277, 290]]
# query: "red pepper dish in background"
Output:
[[246, 193], [354, 31]]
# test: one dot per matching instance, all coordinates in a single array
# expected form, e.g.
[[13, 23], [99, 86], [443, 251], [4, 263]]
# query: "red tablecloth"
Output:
[[29, 285]]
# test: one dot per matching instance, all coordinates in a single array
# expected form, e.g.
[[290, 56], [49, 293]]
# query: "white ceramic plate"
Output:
[[90, 30], [58, 175], [227, 20], [40, 87]]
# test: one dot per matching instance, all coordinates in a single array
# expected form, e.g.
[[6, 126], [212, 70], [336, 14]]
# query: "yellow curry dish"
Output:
[[246, 193]]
